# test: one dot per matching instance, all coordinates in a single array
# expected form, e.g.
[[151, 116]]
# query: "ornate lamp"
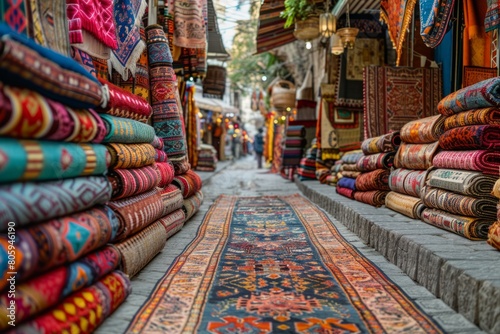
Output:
[[348, 34], [327, 22], [337, 46]]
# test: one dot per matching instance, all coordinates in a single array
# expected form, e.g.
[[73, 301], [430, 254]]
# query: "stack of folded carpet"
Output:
[[294, 145], [307, 167], [458, 192], [189, 185], [412, 161], [346, 173], [207, 158], [53, 254], [494, 231], [372, 184]]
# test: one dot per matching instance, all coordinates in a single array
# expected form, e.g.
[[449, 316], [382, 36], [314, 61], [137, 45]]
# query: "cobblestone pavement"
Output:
[[242, 178]]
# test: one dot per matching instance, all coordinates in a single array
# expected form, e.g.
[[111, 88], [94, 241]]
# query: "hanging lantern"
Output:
[[348, 35], [337, 46], [327, 24]]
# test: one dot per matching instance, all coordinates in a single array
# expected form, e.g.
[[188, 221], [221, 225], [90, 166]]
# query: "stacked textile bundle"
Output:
[[412, 160], [344, 173], [207, 158], [294, 145], [190, 185], [52, 189], [494, 231], [458, 191], [307, 167]]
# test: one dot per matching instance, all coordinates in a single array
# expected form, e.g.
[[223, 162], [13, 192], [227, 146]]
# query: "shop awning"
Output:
[[215, 105], [215, 49]]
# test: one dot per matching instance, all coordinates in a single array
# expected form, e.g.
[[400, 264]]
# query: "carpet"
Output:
[[101, 70], [385, 143], [157, 143], [474, 74], [462, 182], [161, 156], [28, 203], [489, 116], [189, 183], [130, 155], [434, 18], [46, 290], [84, 59], [374, 180], [415, 156], [85, 310], [14, 13], [462, 205], [366, 51], [374, 198], [352, 157], [57, 242], [407, 181], [344, 92], [393, 96], [346, 192], [138, 250], [350, 173], [485, 161], [480, 95], [189, 24], [347, 182], [172, 199], [167, 173], [173, 222], [407, 205], [295, 131], [494, 235], [291, 156], [128, 131], [137, 212], [191, 205], [423, 131], [286, 268], [375, 161], [472, 137], [129, 182], [25, 160], [469, 227]]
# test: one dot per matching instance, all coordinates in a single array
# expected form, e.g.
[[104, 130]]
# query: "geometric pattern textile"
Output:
[[407, 181], [485, 161], [462, 181], [489, 116], [173, 222], [423, 131], [134, 181], [407, 205], [434, 17], [172, 199], [471, 137], [373, 197], [13, 12], [393, 96], [278, 276], [189, 183], [494, 235], [385, 143], [492, 19], [190, 30], [130, 155], [124, 130], [475, 74], [415, 156]]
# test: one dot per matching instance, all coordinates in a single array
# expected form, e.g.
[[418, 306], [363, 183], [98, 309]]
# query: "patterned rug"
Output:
[[375, 161], [134, 181], [489, 116], [278, 276], [374, 180], [340, 129], [373, 197], [386, 143], [485, 161], [14, 13], [407, 181], [469, 227], [462, 182], [173, 222], [434, 18], [131, 155], [167, 173], [124, 130], [474, 74], [349, 193], [472, 137], [424, 130], [172, 199], [396, 95], [407, 205], [415, 156], [189, 24], [189, 183]]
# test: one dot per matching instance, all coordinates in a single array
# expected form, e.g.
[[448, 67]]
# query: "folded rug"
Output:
[[496, 189], [128, 182], [485, 161], [24, 160], [351, 174], [161, 156], [424, 130], [407, 205], [481, 95], [138, 250], [192, 204], [296, 131], [84, 310], [407, 181], [472, 137], [347, 182], [332, 180], [494, 235], [295, 142], [131, 155], [47, 290], [469, 227], [415, 156], [124, 130], [459, 204], [58, 241], [189, 183], [173, 222], [385, 143], [373, 197], [28, 203], [157, 143], [374, 180], [462, 181], [172, 199], [489, 116], [375, 161], [352, 167], [352, 157], [137, 212], [167, 173]]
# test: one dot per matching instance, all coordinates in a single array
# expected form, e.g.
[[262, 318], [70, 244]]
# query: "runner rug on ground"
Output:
[[270, 264]]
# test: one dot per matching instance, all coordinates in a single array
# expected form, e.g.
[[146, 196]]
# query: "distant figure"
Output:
[[258, 146]]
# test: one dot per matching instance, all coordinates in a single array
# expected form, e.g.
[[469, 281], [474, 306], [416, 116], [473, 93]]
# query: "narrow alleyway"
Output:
[[243, 179]]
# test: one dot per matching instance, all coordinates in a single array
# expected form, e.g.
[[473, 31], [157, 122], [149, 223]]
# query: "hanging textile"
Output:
[[13, 12], [476, 42], [492, 18], [434, 18], [189, 22]]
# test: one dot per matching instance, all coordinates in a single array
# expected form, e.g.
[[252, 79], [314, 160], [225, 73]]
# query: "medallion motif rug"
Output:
[[275, 264]]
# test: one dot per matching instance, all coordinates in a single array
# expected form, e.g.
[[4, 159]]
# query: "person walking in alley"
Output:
[[258, 147]]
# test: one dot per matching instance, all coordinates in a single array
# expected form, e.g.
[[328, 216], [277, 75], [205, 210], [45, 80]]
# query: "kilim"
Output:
[[14, 13], [332, 179], [167, 118], [393, 96], [345, 191], [46, 290], [492, 19], [124, 130], [189, 24], [462, 181], [375, 161], [486, 161], [84, 59], [415, 156], [189, 183], [434, 18], [352, 157], [167, 173], [192, 204], [340, 129], [373, 197], [481, 95], [131, 155], [24, 160], [459, 204], [423, 131], [273, 250], [407, 205], [129, 182], [138, 250], [374, 180], [173, 222], [137, 212], [101, 69], [469, 227], [83, 311], [28, 203], [25, 64], [471, 137], [277, 147], [473, 117], [291, 156], [58, 241], [385, 143], [494, 235], [474, 74], [172, 199], [407, 181]]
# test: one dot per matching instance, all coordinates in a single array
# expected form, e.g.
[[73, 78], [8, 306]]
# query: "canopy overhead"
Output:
[[215, 105], [215, 48]]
